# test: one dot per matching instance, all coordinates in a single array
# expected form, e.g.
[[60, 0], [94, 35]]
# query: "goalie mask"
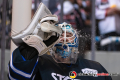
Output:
[[66, 50]]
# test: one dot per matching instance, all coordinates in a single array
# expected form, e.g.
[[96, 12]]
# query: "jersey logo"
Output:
[[89, 71], [61, 77], [72, 74]]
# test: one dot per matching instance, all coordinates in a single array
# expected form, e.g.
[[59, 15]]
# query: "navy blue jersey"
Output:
[[45, 68]]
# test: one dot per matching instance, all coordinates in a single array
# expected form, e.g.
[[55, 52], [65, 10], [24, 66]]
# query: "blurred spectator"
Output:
[[87, 19], [70, 14], [53, 6], [85, 11], [108, 14]]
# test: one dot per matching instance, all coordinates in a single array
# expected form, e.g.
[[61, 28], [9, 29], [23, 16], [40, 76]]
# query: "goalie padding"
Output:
[[41, 13]]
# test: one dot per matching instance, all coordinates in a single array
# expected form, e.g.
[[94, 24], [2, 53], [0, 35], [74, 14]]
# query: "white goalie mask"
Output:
[[66, 50]]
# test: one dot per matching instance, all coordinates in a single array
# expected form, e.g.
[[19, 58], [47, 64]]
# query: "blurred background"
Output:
[[97, 23]]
